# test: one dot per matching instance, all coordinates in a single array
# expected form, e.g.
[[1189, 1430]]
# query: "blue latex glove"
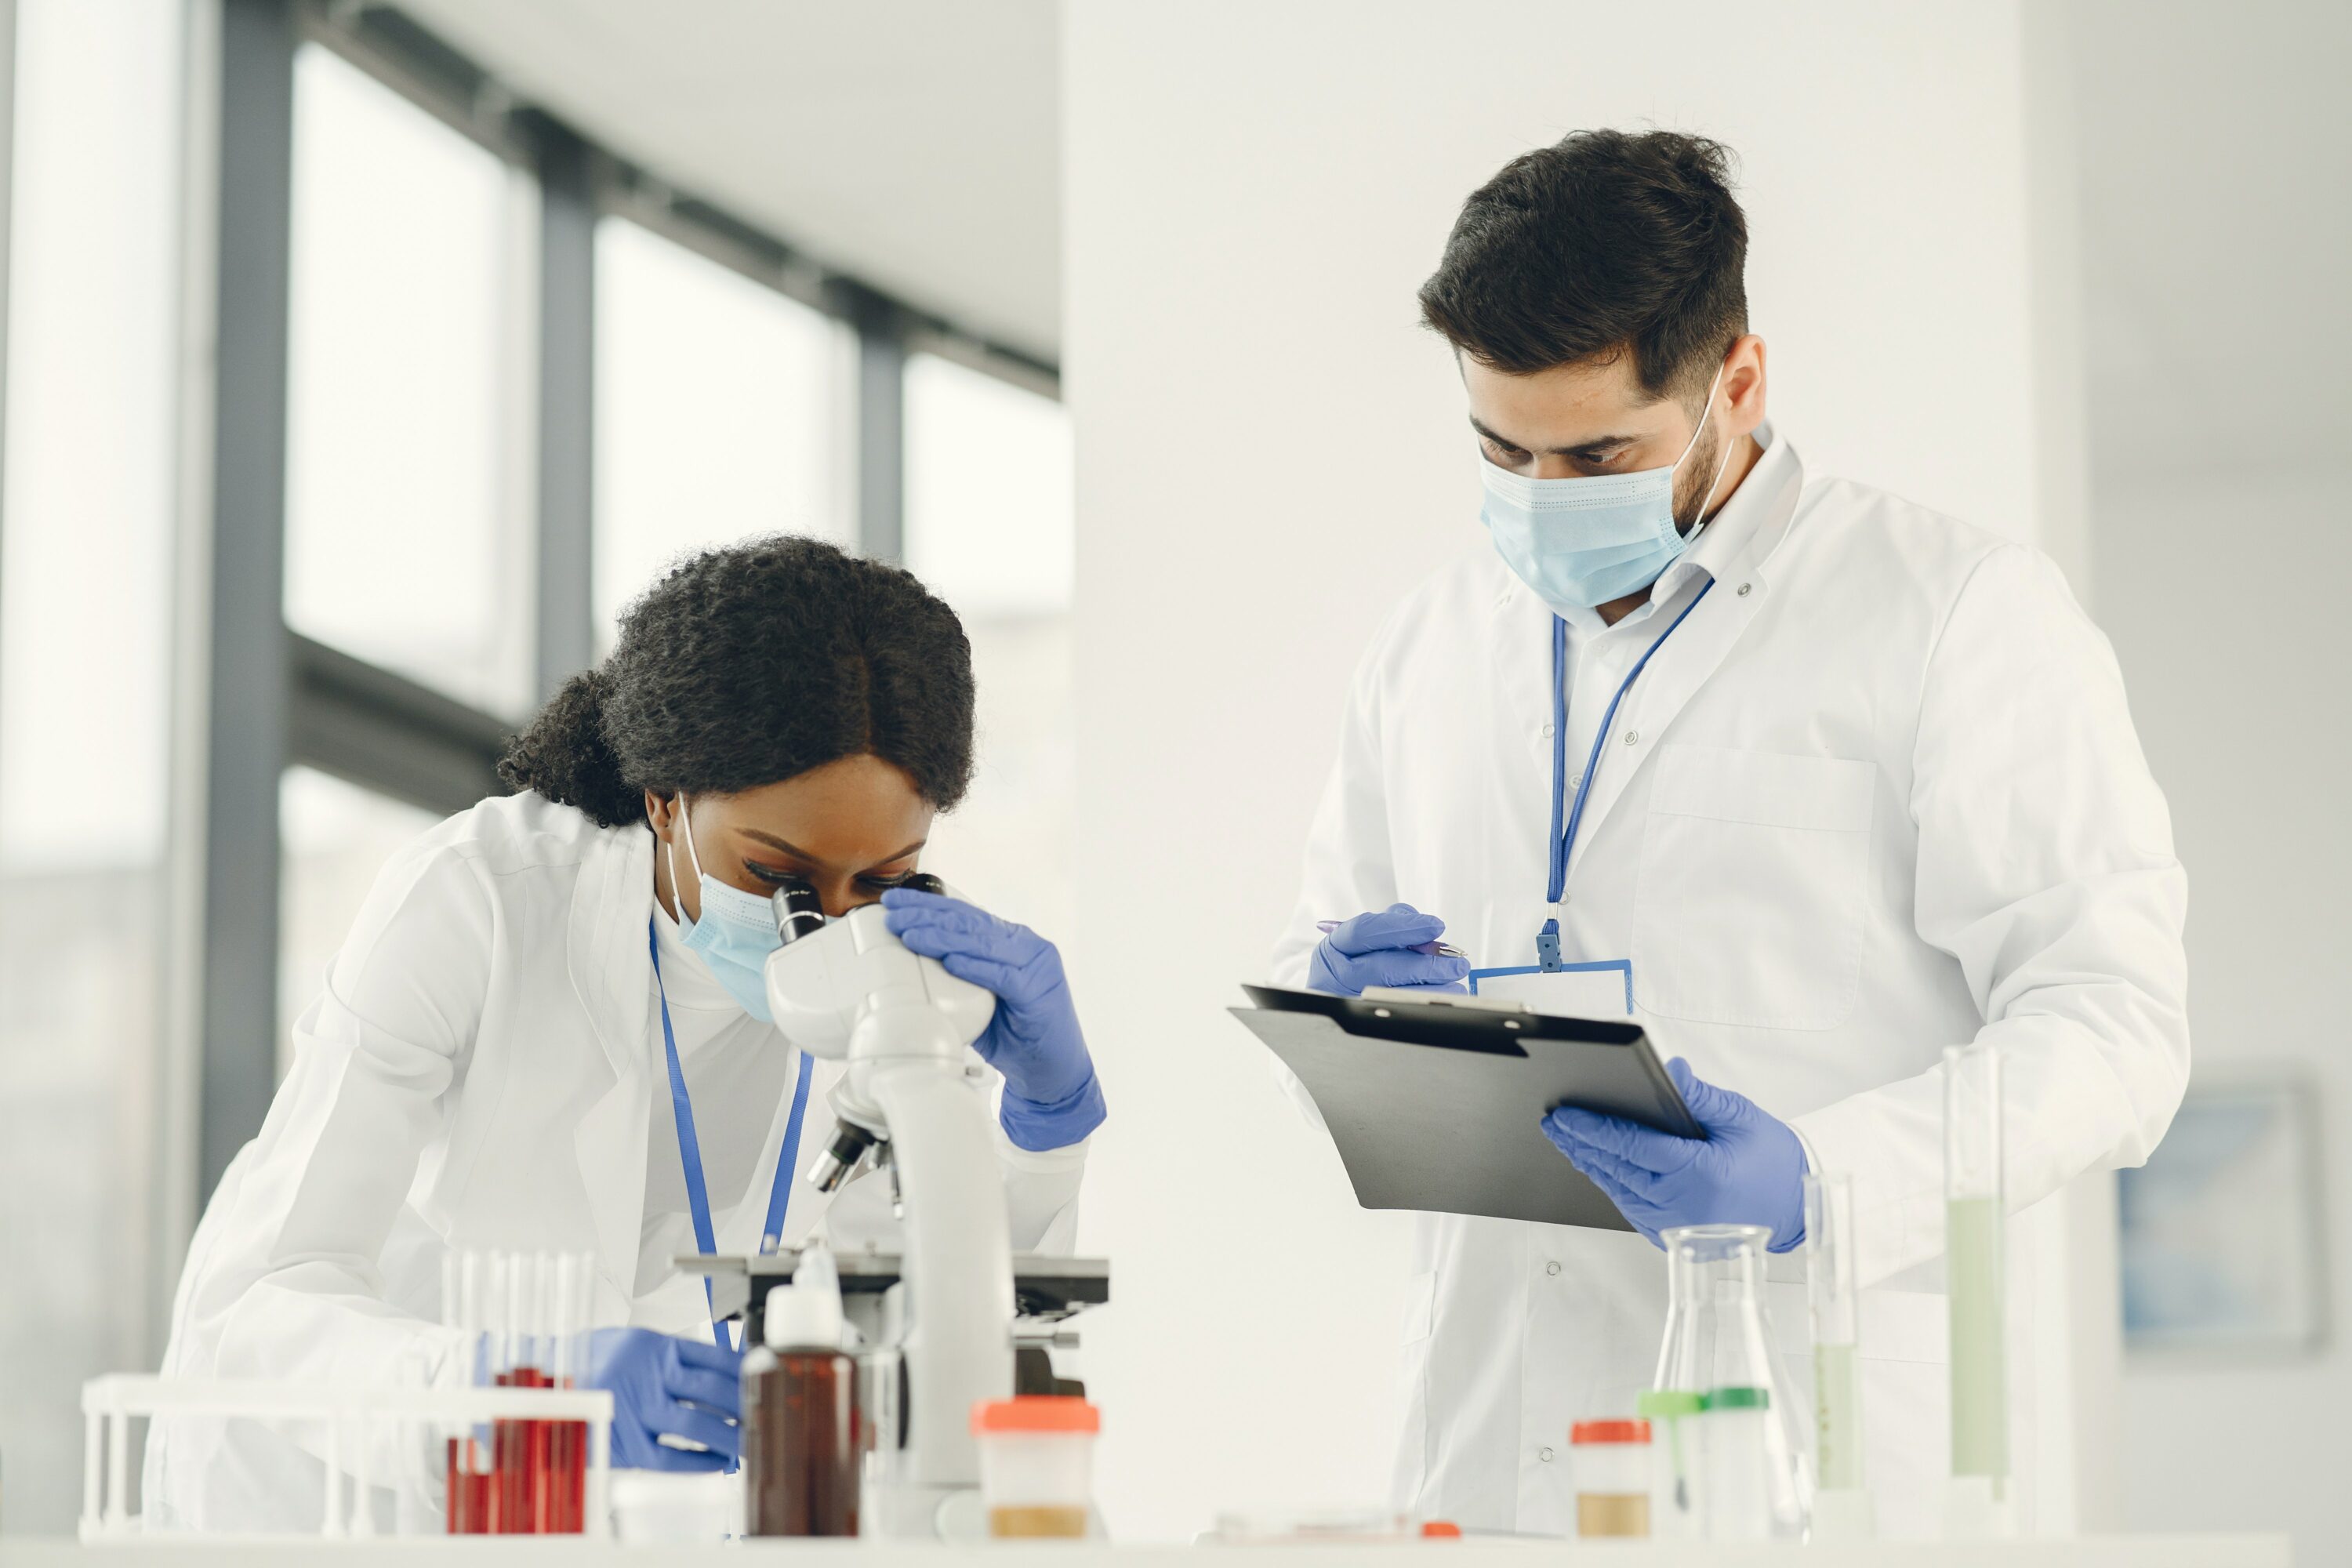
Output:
[[1376, 949], [1749, 1170], [665, 1386], [1051, 1096]]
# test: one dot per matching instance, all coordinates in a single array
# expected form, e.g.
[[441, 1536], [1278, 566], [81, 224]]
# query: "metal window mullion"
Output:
[[881, 434], [565, 637], [244, 732], [7, 210], [388, 733]]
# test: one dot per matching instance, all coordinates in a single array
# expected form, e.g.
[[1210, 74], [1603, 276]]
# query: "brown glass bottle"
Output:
[[800, 1441]]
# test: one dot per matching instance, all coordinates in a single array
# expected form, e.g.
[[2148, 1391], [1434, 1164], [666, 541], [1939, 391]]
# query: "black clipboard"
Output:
[[1438, 1105]]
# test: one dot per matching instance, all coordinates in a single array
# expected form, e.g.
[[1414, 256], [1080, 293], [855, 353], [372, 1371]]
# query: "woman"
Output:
[[491, 1064]]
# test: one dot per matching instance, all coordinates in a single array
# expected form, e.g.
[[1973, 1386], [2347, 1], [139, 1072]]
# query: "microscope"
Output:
[[956, 1306]]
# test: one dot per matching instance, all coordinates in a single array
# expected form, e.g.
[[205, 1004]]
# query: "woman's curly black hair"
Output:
[[752, 664]]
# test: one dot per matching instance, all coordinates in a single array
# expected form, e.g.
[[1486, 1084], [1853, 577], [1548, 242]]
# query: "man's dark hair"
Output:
[[1604, 243], [752, 664]]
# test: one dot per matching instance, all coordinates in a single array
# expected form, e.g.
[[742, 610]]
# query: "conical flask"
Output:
[[1752, 1471]]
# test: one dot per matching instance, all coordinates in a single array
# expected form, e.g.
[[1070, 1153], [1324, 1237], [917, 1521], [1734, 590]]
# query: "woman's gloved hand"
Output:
[[1051, 1097], [1749, 1169], [1396, 946], [665, 1386]]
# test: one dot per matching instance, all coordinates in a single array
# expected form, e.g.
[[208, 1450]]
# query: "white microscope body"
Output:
[[851, 990]]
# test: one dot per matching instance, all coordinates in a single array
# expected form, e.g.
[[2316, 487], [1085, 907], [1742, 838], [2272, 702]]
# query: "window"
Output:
[[335, 837], [989, 529], [86, 550], [722, 411], [409, 470]]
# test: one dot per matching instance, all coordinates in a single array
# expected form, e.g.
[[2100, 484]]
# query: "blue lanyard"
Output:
[[689, 1148], [1563, 839]]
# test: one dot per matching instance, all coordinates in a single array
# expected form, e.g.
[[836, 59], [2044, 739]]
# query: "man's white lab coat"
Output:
[[481, 1071], [1879, 795]]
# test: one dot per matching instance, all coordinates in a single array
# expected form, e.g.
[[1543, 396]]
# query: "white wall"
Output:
[[1269, 451], [2241, 705], [2214, 244]]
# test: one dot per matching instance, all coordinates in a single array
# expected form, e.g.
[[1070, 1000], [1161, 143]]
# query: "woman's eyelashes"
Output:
[[880, 881]]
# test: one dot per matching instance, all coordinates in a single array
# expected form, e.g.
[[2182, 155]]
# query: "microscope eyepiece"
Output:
[[799, 911], [924, 882]]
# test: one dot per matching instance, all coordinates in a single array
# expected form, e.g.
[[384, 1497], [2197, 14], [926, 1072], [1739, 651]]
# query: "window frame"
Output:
[[260, 698]]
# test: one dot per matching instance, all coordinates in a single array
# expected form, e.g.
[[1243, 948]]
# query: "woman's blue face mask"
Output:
[[734, 933]]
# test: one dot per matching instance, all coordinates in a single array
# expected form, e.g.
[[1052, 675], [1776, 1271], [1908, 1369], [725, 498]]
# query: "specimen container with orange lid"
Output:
[[1611, 1464], [1036, 1464]]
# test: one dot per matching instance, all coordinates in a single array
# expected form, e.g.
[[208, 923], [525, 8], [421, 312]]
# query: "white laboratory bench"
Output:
[[2086, 1552]]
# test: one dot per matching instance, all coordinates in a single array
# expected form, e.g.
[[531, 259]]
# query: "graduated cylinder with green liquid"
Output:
[[1977, 1285], [1842, 1508]]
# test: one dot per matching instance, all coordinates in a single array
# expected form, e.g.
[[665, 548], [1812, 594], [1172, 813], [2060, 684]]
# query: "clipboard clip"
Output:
[[1421, 998]]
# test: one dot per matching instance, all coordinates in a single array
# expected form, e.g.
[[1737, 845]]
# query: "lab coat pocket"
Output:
[[1749, 905]]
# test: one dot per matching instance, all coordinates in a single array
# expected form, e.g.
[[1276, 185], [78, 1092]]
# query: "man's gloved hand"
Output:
[[1396, 946], [1051, 1096], [1749, 1170], [665, 1386]]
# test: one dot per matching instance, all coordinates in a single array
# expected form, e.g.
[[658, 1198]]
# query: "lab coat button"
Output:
[[1633, 737], [1744, 587], [1551, 1269], [1548, 732], [1544, 1454]]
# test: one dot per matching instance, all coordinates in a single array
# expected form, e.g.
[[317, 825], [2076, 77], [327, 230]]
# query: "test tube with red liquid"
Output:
[[566, 1512], [464, 1305], [526, 1315], [513, 1507]]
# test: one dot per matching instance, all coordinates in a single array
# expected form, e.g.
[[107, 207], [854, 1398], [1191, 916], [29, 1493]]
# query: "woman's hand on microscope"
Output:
[[1051, 1098]]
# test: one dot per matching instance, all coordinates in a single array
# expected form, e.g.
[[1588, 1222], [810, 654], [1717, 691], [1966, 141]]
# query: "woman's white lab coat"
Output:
[[482, 1069], [1880, 794]]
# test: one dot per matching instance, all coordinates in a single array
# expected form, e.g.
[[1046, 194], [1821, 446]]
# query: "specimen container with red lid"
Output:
[[1611, 1460]]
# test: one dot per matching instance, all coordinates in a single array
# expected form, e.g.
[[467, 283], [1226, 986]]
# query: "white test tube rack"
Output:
[[109, 1405]]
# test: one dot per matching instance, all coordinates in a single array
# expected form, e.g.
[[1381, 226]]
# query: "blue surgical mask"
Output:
[[1584, 541], [735, 932]]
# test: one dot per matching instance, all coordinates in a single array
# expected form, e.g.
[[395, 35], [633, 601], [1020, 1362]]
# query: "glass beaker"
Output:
[[1718, 1337]]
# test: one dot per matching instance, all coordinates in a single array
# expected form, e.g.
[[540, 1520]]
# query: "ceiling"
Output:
[[914, 143]]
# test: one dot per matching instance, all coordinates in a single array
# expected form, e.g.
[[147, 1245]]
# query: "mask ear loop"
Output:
[[1699, 521], [678, 889], [1699, 428]]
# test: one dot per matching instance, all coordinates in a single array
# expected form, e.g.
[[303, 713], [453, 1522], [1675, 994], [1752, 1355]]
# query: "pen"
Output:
[[1434, 949]]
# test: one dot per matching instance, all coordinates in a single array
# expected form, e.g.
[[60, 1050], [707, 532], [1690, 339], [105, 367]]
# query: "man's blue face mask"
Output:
[[735, 932], [1585, 541]]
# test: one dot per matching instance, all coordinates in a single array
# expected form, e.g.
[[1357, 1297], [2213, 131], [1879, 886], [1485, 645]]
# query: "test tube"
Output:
[[467, 1494], [1841, 1506], [510, 1504], [1974, 1261], [565, 1511], [538, 1371]]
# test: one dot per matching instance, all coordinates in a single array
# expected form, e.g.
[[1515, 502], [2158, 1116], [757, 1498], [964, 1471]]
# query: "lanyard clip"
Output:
[[1548, 947]]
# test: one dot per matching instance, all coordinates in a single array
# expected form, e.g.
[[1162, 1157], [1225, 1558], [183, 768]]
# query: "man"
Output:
[[1874, 791]]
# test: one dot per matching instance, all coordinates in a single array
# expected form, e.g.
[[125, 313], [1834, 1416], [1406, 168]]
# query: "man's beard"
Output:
[[1692, 484]]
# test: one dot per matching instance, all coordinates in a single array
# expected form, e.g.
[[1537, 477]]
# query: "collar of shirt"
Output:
[[1718, 544]]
